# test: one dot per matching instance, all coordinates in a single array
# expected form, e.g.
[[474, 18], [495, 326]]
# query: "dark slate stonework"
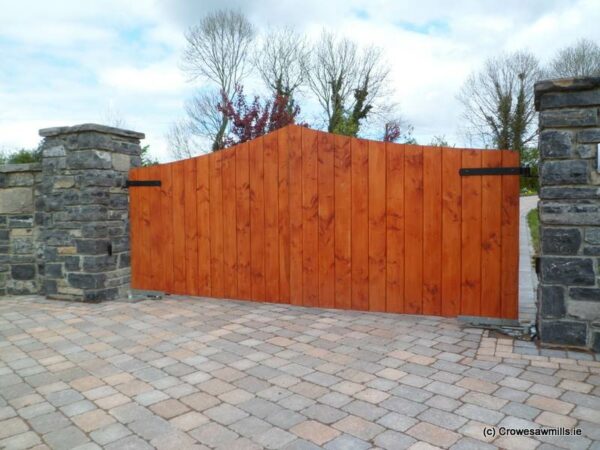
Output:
[[568, 271], [19, 185], [569, 118], [556, 144], [552, 301], [569, 290], [86, 209], [58, 219], [569, 193], [588, 294], [564, 172], [561, 241], [23, 271], [589, 136], [564, 332]]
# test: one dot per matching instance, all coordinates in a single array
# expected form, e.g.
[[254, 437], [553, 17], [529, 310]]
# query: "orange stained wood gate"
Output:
[[310, 218]]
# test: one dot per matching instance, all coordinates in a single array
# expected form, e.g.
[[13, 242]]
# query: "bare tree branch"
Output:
[[498, 101], [204, 118], [217, 50], [282, 61], [181, 141], [579, 60], [346, 80]]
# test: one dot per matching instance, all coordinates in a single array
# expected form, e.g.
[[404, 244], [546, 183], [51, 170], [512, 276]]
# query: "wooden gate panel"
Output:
[[491, 235], [360, 224], [395, 213], [166, 227], [325, 182], [432, 230], [471, 236], [343, 222], [309, 218], [242, 187], [230, 271], [451, 231], [271, 200], [413, 230], [510, 238]]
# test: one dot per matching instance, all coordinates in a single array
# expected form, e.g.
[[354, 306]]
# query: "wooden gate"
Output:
[[315, 219]]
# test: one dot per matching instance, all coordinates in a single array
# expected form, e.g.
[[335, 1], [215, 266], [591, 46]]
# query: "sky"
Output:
[[69, 62]]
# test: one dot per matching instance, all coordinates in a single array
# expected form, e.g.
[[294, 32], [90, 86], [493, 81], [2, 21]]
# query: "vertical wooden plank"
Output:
[[510, 238], [432, 230], [271, 218], [166, 206], [135, 226], [413, 230], [491, 237], [257, 217], [377, 226], [230, 283], [145, 257], [325, 177], [179, 286], [203, 224], [395, 228], [242, 179], [451, 231], [310, 220], [471, 236], [296, 257], [191, 228], [343, 222], [360, 224], [216, 224], [284, 214], [156, 232]]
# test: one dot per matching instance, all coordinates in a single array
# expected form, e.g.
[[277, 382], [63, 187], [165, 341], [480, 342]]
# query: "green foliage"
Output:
[[533, 220], [147, 160], [530, 157], [348, 122], [23, 156]]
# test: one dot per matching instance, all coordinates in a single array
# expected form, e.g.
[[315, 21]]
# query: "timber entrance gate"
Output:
[[309, 218]]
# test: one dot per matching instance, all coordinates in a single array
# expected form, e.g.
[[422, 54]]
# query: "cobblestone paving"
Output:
[[196, 373]]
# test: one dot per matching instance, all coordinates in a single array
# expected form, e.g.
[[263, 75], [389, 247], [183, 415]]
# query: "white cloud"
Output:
[[152, 79], [68, 61]]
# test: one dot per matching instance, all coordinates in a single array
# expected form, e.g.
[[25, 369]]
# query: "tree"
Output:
[[439, 141], [346, 81], [579, 60], [282, 61], [180, 140], [147, 159], [217, 50], [498, 101], [204, 118], [251, 120], [396, 130]]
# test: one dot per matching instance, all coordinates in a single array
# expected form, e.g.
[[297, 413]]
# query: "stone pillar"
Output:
[[19, 257], [83, 211], [569, 290]]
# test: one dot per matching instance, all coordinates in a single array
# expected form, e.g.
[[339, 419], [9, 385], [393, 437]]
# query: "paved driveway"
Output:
[[196, 373]]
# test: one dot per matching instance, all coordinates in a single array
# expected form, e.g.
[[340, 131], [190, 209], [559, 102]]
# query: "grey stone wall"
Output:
[[64, 223], [19, 184], [569, 290], [83, 211]]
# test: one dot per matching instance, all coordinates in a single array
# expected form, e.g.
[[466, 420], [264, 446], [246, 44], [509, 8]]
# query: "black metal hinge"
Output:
[[139, 183], [523, 171]]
